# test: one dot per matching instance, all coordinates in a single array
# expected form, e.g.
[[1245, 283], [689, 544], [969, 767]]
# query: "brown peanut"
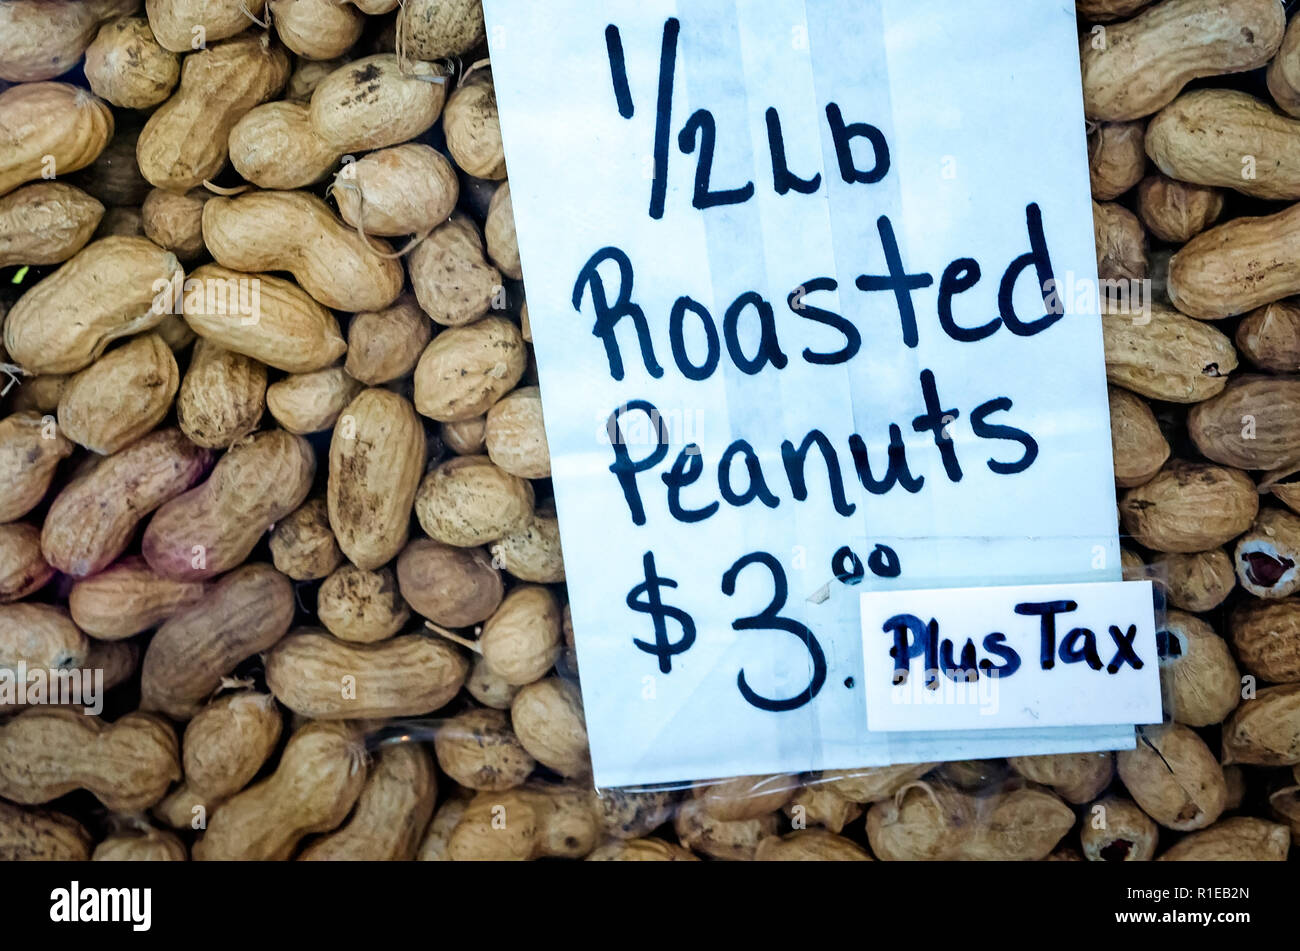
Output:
[[47, 753], [46, 223], [324, 678], [214, 526], [242, 614], [128, 598]]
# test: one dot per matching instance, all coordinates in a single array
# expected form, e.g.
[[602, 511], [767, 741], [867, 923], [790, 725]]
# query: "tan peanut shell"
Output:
[[41, 39], [125, 65], [876, 783], [128, 598], [479, 750], [1269, 337], [303, 545], [154, 845], [629, 814], [472, 127], [174, 221], [1143, 63], [384, 345], [1138, 445], [316, 29], [515, 435], [433, 847], [40, 394], [318, 779], [31, 448], [1252, 424], [28, 835], [1121, 243], [376, 461], [453, 587], [214, 526], [311, 402], [1203, 136], [180, 24], [453, 281], [734, 841], [308, 74], [643, 850], [324, 678], [520, 642], [819, 804], [533, 553], [1174, 778], [296, 232], [227, 742], [107, 290], [39, 636], [1237, 266], [932, 823], [222, 396], [185, 140], [23, 569], [361, 606], [810, 845], [121, 396], [1201, 678], [94, 518], [1177, 211], [1116, 159], [524, 823], [242, 614], [1239, 839], [1197, 581], [1265, 730], [467, 369], [406, 189], [1105, 10], [1284, 72], [489, 689], [372, 103], [746, 797], [1114, 829], [273, 146], [499, 231], [49, 129], [1075, 777], [392, 811], [49, 752], [1166, 356], [1266, 556], [436, 29], [46, 223], [468, 501], [267, 318], [1189, 507], [548, 719], [1266, 638]]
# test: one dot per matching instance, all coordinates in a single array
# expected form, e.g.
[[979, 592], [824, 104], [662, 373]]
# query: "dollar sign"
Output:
[[644, 599]]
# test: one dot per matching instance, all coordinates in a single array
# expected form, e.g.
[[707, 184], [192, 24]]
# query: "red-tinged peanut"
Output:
[[95, 516], [128, 598], [215, 526], [242, 614]]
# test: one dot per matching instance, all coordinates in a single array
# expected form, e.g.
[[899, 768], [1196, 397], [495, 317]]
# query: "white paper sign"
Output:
[[826, 271], [1006, 657]]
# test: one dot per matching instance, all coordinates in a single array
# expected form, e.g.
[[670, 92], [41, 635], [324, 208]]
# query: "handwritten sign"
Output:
[[1020, 656], [810, 286]]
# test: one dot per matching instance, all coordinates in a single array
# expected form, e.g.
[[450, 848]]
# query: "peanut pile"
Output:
[[272, 461]]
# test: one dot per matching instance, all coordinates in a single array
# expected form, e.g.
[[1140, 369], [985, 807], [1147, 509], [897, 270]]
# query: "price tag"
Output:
[[1020, 656], [813, 292]]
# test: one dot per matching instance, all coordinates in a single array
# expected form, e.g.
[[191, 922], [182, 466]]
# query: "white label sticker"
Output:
[[1020, 656], [813, 291]]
